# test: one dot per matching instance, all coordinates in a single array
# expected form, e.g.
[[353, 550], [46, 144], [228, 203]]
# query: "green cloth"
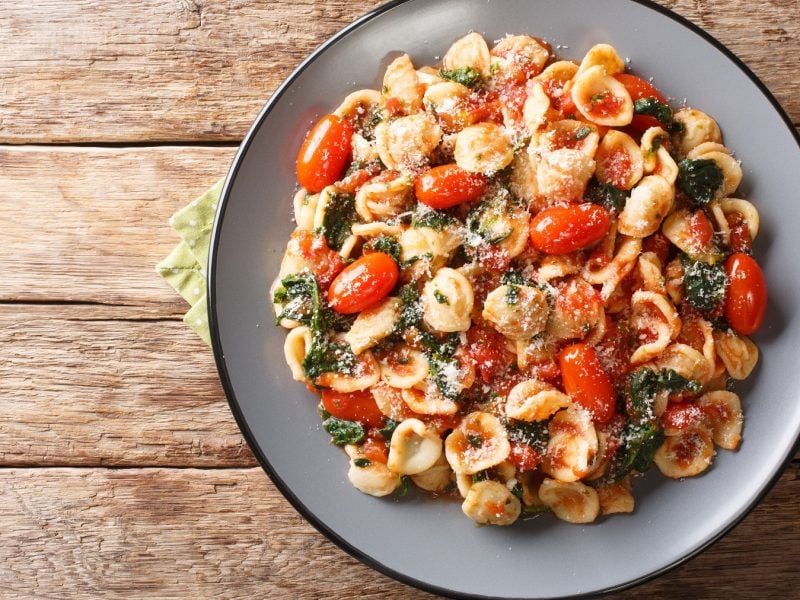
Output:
[[185, 267]]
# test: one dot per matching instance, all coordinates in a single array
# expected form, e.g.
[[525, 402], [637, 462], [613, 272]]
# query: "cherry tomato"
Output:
[[524, 456], [565, 229], [324, 262], [487, 348], [740, 239], [586, 382], [363, 283], [374, 447], [746, 297], [638, 88], [700, 229], [324, 153], [448, 185], [353, 406]]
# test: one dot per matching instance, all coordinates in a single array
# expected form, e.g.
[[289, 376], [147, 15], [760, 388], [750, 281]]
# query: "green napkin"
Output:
[[185, 267]]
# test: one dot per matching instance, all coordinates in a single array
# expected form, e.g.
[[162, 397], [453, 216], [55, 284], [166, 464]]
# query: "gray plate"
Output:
[[432, 544]]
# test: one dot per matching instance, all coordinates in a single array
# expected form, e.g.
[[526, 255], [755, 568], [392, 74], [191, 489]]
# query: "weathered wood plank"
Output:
[[228, 533], [97, 385], [189, 70], [90, 224]]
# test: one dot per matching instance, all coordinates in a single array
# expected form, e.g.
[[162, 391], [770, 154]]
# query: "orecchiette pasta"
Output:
[[511, 289]]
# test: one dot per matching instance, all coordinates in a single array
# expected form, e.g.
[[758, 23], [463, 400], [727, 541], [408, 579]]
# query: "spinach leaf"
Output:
[[343, 432], [440, 297], [699, 179], [388, 428], [514, 277], [464, 75], [512, 294], [297, 294], [444, 371], [387, 244], [434, 219], [362, 462], [583, 132], [535, 433], [704, 284], [606, 195], [340, 213], [654, 108], [646, 383], [640, 442], [490, 219]]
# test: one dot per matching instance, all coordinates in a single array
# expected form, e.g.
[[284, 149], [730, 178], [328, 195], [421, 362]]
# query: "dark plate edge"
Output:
[[233, 403]]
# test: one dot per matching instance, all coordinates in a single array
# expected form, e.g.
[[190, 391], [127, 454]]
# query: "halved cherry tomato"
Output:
[[363, 283], [448, 185], [524, 456], [586, 382], [638, 88], [353, 406], [324, 153], [746, 297], [565, 229]]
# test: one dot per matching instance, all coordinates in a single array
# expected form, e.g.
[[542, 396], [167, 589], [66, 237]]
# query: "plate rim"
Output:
[[227, 385]]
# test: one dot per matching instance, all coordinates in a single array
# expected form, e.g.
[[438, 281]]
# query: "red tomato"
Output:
[[353, 406], [658, 244], [524, 457], [448, 185], [740, 239], [746, 297], [586, 382], [324, 153], [356, 179], [605, 104], [487, 348], [701, 230], [638, 88], [374, 447], [564, 229], [363, 283], [324, 262]]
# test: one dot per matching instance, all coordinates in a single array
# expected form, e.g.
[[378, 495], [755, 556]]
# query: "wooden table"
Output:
[[123, 472]]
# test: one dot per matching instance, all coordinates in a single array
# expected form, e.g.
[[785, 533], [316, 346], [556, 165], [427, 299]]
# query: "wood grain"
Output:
[[98, 385], [192, 70], [90, 224], [229, 534]]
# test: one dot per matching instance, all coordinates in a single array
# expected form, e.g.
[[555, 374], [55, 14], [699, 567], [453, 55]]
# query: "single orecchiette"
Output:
[[400, 81], [373, 324], [602, 99], [478, 443], [390, 401], [491, 503], [730, 167], [723, 415], [413, 448], [373, 478], [365, 374], [447, 301], [427, 249], [468, 51], [534, 400], [685, 455], [677, 229], [358, 104], [561, 175], [295, 348], [610, 275], [646, 207], [650, 273], [305, 206], [747, 211], [655, 314], [577, 310], [446, 101], [518, 312], [483, 148], [616, 498], [436, 478], [407, 142], [384, 199], [518, 58], [572, 502], [697, 127], [737, 352], [404, 367], [603, 55], [619, 160], [573, 445], [429, 402], [686, 361]]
